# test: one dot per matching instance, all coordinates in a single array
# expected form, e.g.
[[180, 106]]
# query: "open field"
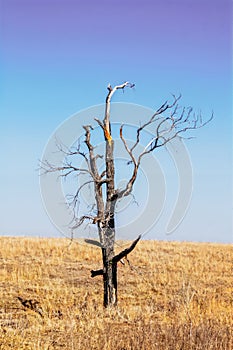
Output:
[[171, 296]]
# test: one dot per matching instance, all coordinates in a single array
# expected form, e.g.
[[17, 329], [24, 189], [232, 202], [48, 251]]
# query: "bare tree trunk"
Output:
[[109, 271], [109, 268], [109, 275]]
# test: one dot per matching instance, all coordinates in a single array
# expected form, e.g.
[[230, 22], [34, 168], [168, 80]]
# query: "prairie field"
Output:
[[171, 295]]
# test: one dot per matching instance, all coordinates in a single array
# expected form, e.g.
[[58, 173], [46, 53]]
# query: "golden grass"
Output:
[[171, 296]]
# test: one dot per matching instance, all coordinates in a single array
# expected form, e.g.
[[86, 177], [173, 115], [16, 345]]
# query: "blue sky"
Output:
[[57, 57]]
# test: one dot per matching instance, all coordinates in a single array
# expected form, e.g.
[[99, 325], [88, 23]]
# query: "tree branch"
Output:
[[166, 129], [130, 183], [111, 91], [126, 251], [165, 106], [117, 257], [95, 273]]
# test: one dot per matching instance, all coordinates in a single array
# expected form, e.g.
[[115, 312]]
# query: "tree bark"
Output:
[[109, 276], [107, 224], [109, 272], [109, 268]]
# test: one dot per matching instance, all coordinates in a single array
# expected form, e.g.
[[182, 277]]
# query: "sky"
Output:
[[57, 58]]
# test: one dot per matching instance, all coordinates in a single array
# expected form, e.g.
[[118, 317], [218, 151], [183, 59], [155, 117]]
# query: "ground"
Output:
[[171, 296]]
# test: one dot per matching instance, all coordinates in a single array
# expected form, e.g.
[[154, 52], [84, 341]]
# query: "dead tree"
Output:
[[170, 121]]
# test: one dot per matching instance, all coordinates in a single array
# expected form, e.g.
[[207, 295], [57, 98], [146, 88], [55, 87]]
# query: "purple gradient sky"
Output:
[[58, 56]]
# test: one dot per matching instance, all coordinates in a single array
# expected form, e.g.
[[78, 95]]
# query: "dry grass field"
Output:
[[171, 296]]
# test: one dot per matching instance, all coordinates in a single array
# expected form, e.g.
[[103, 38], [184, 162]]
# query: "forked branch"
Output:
[[166, 128], [111, 91], [117, 257], [126, 251]]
